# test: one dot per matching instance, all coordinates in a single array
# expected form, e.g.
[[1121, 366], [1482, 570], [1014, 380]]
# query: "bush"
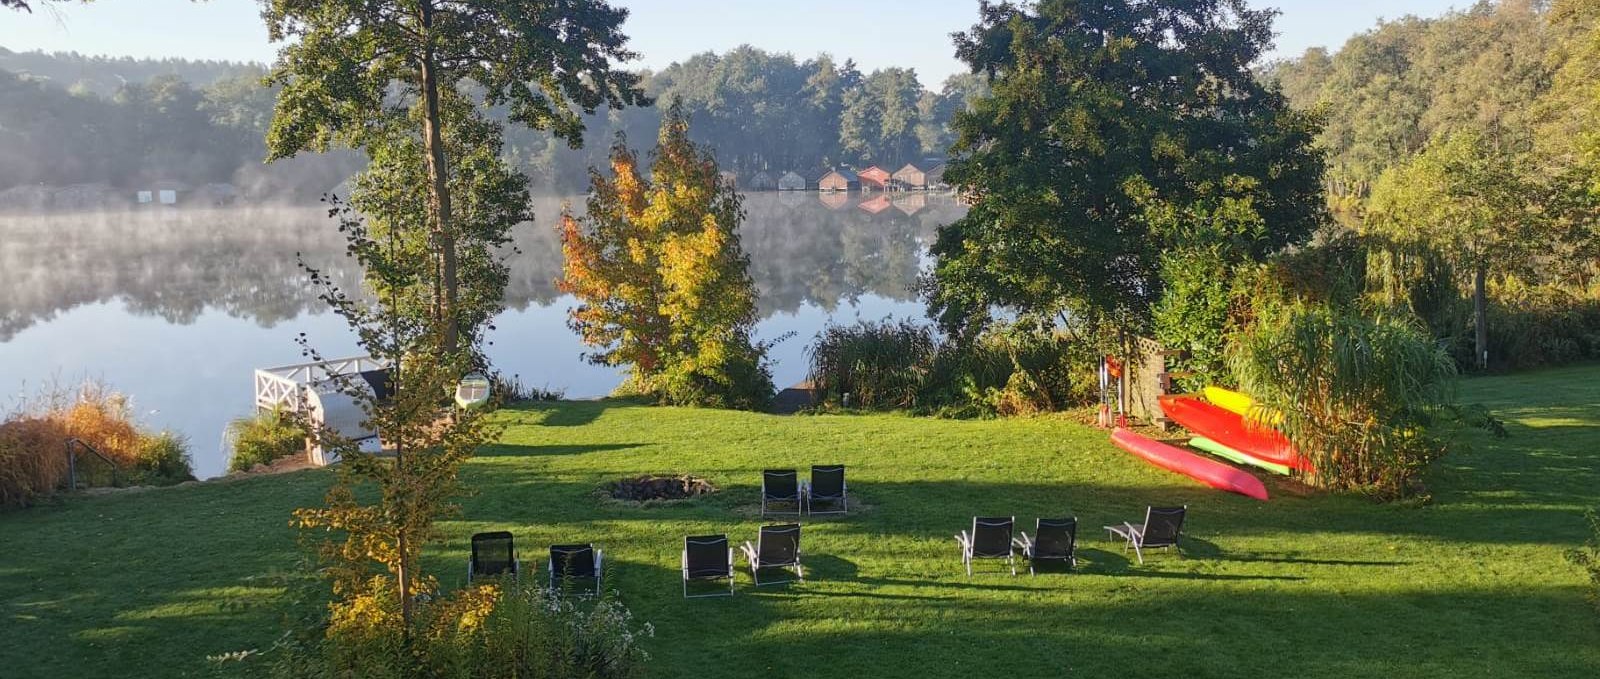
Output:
[[33, 461], [1533, 326], [875, 366], [163, 459], [1008, 370], [1355, 393], [509, 631], [33, 445], [264, 438], [1013, 370]]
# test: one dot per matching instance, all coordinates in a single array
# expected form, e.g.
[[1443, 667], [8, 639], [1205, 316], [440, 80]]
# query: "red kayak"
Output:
[[1233, 430], [1202, 469]]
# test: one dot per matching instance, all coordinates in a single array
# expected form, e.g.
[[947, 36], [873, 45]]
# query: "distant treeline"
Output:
[[128, 123]]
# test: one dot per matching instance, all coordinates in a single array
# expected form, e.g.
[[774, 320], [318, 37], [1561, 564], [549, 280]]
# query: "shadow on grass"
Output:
[[523, 450]]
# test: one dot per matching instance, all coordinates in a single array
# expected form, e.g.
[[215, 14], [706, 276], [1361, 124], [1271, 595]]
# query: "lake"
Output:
[[178, 307]]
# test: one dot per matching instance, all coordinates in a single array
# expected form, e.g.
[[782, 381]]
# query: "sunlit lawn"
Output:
[[1472, 585]]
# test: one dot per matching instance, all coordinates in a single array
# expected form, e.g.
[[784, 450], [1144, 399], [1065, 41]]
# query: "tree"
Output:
[[662, 283], [1116, 131], [1470, 203], [356, 71], [373, 565]]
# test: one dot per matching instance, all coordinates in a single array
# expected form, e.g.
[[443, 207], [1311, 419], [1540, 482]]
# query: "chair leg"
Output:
[[1137, 552]]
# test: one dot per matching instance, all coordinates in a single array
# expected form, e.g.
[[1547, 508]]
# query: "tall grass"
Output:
[[33, 461], [33, 444], [264, 439], [873, 365], [1354, 391], [1008, 370]]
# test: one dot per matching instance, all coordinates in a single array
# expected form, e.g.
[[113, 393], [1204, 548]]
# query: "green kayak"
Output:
[[1226, 453]]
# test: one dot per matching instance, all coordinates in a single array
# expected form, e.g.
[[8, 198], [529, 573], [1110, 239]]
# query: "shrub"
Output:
[[875, 366], [163, 459], [33, 460], [103, 419], [1355, 392], [510, 631], [1008, 370], [1013, 370], [1532, 326], [33, 445], [264, 438]]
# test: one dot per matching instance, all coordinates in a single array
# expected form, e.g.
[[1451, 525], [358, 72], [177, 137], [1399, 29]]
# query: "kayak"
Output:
[[1205, 470], [1226, 453], [1232, 430], [1233, 401]]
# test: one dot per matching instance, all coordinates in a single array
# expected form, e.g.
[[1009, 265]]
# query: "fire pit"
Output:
[[650, 487]]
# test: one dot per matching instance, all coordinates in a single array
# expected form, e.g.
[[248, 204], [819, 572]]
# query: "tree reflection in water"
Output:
[[176, 264]]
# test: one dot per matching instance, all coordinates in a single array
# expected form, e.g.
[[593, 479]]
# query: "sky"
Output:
[[876, 33]]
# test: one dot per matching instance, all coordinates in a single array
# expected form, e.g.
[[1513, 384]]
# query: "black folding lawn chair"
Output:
[[990, 539], [776, 547], [1161, 528], [827, 487], [707, 557], [573, 563], [780, 486], [493, 554], [1052, 540]]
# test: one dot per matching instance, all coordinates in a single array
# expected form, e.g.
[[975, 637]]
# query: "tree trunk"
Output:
[[438, 190], [1480, 316]]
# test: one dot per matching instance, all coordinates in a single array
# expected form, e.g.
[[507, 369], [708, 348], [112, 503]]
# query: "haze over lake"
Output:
[[177, 307]]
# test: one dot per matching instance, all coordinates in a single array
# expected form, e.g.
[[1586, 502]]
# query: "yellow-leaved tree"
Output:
[[662, 283]]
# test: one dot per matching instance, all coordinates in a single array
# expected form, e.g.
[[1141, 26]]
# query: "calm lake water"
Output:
[[177, 307]]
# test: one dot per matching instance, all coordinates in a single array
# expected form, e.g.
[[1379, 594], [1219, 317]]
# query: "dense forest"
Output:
[[127, 122]]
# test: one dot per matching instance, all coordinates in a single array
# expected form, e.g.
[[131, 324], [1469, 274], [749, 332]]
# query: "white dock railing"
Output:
[[281, 387]]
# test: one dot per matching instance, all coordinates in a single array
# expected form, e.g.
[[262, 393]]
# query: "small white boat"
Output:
[[472, 391]]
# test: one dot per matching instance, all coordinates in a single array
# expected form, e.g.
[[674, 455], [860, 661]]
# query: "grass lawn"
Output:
[[1473, 585]]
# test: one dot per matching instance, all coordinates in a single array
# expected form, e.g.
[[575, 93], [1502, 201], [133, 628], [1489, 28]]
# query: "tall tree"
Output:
[[1468, 201], [1115, 131], [353, 71], [663, 285]]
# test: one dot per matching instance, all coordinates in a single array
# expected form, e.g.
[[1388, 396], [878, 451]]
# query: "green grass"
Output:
[[1473, 585]]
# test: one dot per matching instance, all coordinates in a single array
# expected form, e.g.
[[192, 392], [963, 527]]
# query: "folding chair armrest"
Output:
[[599, 560], [749, 553], [1025, 542], [964, 539]]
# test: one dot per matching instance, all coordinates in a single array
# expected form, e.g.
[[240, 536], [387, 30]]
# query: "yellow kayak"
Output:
[[1233, 401]]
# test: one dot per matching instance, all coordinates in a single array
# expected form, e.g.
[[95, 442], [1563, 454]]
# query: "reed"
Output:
[[1355, 393], [33, 444], [872, 365]]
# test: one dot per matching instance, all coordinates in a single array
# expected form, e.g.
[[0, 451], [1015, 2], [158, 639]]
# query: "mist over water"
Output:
[[177, 307]]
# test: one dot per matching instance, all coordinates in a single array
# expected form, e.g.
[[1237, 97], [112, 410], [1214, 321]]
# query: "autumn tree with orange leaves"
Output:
[[662, 283]]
